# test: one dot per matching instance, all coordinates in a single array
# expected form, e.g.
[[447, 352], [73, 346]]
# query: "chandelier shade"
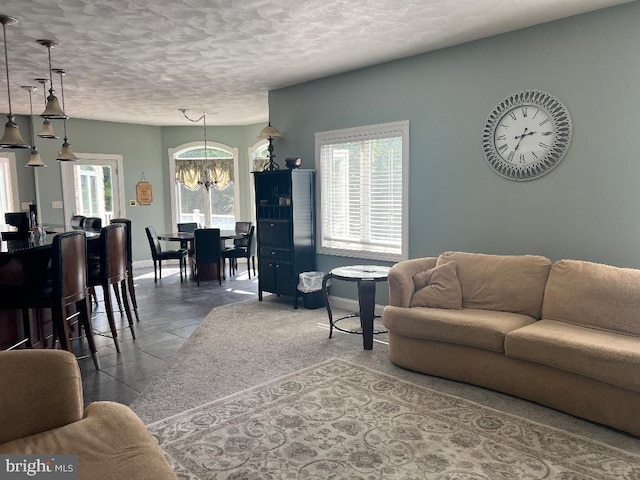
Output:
[[12, 137], [197, 173]]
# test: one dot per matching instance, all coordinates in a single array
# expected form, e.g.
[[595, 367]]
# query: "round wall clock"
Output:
[[527, 135]]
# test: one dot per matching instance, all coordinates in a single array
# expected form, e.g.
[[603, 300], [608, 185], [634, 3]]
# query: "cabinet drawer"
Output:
[[275, 232], [267, 253]]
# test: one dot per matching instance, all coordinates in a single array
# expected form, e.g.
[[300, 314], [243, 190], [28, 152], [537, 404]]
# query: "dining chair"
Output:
[[111, 269], [158, 255], [92, 224], [207, 250], [77, 221], [66, 285], [242, 252], [241, 228], [187, 227]]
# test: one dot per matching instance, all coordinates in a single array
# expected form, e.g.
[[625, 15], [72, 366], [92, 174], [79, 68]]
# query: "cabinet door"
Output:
[[284, 278], [275, 232], [268, 275]]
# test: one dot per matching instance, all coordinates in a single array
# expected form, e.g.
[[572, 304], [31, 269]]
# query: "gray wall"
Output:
[[587, 208]]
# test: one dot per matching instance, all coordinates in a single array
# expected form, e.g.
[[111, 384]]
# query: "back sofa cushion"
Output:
[[437, 287], [507, 283], [593, 295]]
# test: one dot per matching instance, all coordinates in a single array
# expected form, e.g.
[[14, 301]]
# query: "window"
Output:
[[212, 207], [363, 191], [8, 185]]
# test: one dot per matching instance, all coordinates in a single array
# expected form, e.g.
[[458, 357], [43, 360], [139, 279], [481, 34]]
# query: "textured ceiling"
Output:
[[139, 61]]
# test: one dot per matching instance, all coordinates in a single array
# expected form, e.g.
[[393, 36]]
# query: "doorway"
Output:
[[93, 187]]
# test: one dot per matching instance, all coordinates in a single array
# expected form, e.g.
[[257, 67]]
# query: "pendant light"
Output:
[[34, 159], [11, 137], [66, 154], [52, 109], [47, 128]]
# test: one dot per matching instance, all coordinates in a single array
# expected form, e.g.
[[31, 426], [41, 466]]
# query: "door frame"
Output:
[[66, 172]]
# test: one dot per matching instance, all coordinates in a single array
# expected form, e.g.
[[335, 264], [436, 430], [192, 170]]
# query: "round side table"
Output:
[[367, 276]]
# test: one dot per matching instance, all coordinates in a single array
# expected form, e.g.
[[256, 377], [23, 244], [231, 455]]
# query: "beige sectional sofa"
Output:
[[42, 412], [563, 334]]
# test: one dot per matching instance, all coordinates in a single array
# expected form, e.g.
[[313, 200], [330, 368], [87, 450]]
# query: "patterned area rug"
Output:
[[337, 420]]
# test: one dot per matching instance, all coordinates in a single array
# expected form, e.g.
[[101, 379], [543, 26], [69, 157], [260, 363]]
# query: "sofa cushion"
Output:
[[594, 295], [605, 356], [508, 283], [437, 287], [111, 443], [473, 327]]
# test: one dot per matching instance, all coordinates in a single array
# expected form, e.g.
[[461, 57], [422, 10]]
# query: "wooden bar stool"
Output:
[[110, 268], [67, 285], [130, 287]]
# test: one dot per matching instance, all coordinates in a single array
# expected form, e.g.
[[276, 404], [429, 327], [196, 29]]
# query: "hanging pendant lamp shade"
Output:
[[11, 137], [34, 159], [47, 129], [52, 109], [66, 154]]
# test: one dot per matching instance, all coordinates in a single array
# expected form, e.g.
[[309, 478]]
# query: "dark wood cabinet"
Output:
[[285, 210]]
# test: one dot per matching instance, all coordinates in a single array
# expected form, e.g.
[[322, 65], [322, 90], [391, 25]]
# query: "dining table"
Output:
[[209, 273], [188, 237]]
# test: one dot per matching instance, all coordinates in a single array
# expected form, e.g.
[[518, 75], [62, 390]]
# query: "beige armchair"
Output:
[[41, 411]]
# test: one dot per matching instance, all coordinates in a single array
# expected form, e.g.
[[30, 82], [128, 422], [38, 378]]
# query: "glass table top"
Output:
[[361, 272]]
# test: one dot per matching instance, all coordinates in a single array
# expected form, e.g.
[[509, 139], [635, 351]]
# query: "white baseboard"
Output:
[[336, 302], [350, 304]]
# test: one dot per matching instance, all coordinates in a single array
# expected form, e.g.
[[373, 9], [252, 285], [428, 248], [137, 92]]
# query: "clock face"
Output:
[[527, 135]]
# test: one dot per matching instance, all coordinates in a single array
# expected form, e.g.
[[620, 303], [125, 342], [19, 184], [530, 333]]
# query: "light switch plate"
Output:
[[56, 204], [24, 205], [132, 203]]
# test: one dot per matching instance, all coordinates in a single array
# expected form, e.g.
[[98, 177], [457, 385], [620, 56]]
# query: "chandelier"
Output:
[[195, 173]]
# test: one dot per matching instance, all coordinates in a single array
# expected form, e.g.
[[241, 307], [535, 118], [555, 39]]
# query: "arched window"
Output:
[[204, 190]]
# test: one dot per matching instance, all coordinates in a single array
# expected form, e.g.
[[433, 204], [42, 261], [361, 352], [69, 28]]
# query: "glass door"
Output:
[[93, 187]]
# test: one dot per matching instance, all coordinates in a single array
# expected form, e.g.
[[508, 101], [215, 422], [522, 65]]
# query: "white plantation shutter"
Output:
[[363, 174]]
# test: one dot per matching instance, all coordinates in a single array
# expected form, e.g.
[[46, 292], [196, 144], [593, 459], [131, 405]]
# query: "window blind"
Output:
[[362, 203]]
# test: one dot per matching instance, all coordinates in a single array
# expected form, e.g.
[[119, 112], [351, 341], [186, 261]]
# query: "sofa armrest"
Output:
[[401, 286], [39, 390]]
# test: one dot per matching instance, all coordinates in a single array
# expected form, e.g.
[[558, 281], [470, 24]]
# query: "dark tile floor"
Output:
[[169, 311]]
